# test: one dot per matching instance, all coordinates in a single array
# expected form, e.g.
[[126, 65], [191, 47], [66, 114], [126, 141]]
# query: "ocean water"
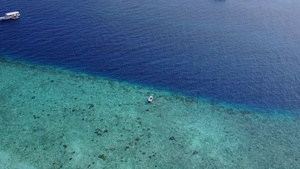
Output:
[[75, 77], [237, 52]]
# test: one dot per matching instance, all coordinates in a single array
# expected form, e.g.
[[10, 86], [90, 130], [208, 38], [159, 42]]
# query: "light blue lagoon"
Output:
[[53, 118]]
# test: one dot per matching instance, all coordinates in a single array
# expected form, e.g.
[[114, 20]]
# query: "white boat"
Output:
[[11, 15], [150, 99]]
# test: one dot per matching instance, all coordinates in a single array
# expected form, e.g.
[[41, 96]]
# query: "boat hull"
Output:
[[5, 19]]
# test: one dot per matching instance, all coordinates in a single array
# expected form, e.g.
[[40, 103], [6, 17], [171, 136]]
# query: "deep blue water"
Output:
[[235, 51]]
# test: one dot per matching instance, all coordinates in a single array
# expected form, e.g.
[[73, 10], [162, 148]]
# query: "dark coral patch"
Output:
[[102, 156]]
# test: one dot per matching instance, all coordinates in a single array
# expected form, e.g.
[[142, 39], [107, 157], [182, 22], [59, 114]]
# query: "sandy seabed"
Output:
[[53, 118]]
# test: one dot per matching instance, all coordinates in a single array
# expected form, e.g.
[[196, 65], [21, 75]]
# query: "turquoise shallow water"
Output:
[[52, 118]]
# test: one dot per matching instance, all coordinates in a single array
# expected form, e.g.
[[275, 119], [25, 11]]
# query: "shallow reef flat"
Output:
[[52, 118]]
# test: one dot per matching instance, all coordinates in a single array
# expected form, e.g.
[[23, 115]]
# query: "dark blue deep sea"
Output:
[[238, 52]]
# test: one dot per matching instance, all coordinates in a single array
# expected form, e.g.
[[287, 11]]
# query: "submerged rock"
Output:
[[102, 156]]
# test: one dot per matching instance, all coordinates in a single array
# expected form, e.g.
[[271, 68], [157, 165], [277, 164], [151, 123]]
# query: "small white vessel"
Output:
[[11, 15], [150, 99]]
